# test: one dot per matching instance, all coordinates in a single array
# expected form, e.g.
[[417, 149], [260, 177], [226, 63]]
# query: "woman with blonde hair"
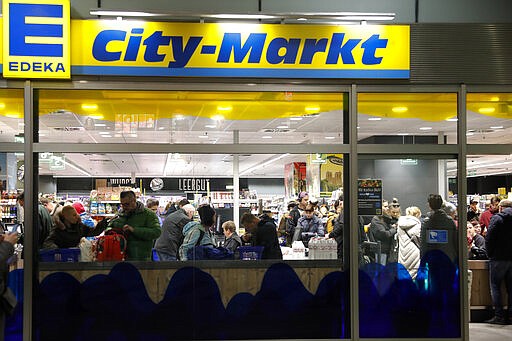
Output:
[[408, 235]]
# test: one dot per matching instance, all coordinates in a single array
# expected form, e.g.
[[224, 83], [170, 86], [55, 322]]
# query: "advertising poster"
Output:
[[294, 179], [325, 174], [369, 196]]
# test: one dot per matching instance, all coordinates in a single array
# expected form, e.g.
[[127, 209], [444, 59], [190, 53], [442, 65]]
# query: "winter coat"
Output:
[[337, 233], [45, 224], [146, 230], [498, 240], [439, 220], [67, 235], [311, 225], [266, 236], [233, 242], [408, 236], [6, 251], [192, 232], [383, 229], [478, 250], [171, 238]]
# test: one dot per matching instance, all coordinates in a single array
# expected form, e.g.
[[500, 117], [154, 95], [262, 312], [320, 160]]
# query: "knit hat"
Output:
[[78, 207]]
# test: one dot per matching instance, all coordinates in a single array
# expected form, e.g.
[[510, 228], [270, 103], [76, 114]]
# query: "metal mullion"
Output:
[[213, 86], [152, 148], [30, 214], [461, 210], [354, 221]]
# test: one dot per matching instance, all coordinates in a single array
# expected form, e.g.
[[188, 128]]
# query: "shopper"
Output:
[[86, 218], [476, 249], [383, 230], [338, 225], [7, 242], [498, 242], [309, 225], [69, 230], [169, 242], [44, 224], [139, 223], [485, 217], [233, 240], [153, 204], [261, 233], [408, 237], [197, 234], [303, 200], [473, 210], [286, 223], [438, 231]]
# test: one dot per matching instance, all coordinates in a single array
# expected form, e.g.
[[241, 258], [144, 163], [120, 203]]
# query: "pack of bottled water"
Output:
[[323, 248]]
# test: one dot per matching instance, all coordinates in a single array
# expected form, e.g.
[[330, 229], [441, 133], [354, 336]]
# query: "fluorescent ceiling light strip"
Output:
[[358, 16], [77, 168], [250, 169]]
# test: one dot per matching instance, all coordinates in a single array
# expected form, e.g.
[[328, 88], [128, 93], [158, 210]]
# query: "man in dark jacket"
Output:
[[498, 242], [438, 231], [383, 229], [45, 223], [169, 242], [262, 232]]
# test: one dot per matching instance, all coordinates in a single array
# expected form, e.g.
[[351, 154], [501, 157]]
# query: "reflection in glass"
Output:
[[114, 116], [408, 249], [489, 118], [11, 115], [407, 118]]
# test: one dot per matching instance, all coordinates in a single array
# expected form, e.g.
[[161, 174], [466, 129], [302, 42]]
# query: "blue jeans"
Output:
[[165, 257], [499, 271]]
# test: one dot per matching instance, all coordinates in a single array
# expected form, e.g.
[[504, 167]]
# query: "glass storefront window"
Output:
[[117, 116], [409, 277], [407, 118], [11, 115], [489, 118]]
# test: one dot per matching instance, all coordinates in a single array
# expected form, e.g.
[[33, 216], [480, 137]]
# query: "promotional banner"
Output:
[[369, 196]]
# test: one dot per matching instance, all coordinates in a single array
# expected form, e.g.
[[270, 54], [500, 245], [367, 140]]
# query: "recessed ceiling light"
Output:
[[203, 136], [302, 19], [224, 108], [358, 127], [88, 106], [426, 128], [488, 110], [453, 119], [161, 128], [100, 125], [295, 118], [211, 126], [403, 134], [497, 127], [106, 135], [266, 137], [495, 99], [399, 109], [375, 119], [282, 127], [329, 137], [470, 134], [312, 109], [103, 132], [179, 117], [97, 117]]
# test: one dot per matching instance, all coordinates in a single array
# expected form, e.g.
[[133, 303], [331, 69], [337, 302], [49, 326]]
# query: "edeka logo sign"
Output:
[[240, 50], [36, 39]]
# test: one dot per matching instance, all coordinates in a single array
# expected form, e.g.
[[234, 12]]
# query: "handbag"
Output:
[[8, 301]]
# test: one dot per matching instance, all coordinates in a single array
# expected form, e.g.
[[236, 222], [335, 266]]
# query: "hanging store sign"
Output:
[[36, 35], [134, 48]]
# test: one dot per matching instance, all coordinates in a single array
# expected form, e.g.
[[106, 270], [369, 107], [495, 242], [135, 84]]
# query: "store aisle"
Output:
[[489, 332]]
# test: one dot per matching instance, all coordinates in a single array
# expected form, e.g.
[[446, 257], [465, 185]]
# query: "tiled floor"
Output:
[[489, 332]]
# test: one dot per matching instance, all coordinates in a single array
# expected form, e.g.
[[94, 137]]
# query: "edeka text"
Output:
[[36, 66], [255, 48]]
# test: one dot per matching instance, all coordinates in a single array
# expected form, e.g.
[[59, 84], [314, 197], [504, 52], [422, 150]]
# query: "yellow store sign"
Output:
[[37, 44], [36, 39]]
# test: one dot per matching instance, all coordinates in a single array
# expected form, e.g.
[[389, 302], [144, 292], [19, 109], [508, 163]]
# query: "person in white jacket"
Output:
[[408, 234]]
